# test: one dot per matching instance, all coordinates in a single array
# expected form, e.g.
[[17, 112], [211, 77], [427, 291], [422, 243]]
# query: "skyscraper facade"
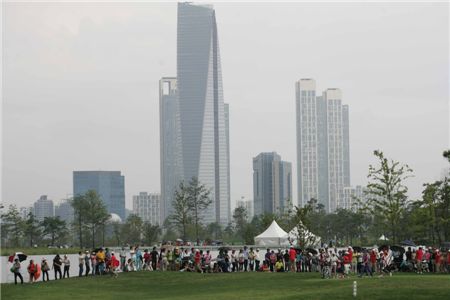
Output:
[[109, 185], [147, 207], [43, 208], [307, 154], [323, 147], [202, 115], [272, 183], [170, 141]]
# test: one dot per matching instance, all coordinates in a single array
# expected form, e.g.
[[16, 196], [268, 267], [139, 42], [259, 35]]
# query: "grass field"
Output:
[[175, 285]]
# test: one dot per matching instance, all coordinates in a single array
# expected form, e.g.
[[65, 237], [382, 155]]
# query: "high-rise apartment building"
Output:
[[147, 207], [307, 154], [272, 183], [248, 205], [109, 185], [200, 112], [43, 208], [323, 148], [64, 211]]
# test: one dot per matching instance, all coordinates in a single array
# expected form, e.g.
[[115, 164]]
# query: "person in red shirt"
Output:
[[347, 261], [437, 261], [419, 257], [114, 265], [147, 260], [197, 261], [292, 255], [32, 269], [373, 261]]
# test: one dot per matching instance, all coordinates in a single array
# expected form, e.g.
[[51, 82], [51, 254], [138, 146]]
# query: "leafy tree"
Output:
[[117, 232], [132, 229], [386, 193], [32, 229], [96, 215], [240, 216], [181, 216], [55, 227], [151, 232], [214, 230], [12, 226], [199, 199], [80, 208]]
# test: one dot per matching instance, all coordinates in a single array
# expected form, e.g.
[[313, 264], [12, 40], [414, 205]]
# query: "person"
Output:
[[66, 262], [251, 259], [86, 262], [80, 263], [101, 261], [365, 266], [139, 258], [234, 263], [32, 269], [123, 257], [257, 259], [265, 267], [147, 260], [292, 256], [245, 255], [347, 259], [16, 270], [44, 269], [170, 259], [130, 265], [207, 261], [334, 261], [241, 260], [273, 260], [287, 261], [154, 255], [197, 261], [437, 261], [114, 265], [279, 265], [57, 263], [419, 257], [94, 263], [163, 259]]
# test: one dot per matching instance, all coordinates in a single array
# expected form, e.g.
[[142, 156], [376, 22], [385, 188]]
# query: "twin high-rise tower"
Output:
[[193, 116], [323, 155]]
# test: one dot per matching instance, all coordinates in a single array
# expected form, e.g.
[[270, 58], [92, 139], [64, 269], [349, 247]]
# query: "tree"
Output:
[[199, 200], [80, 208], [386, 193], [32, 228], [55, 227], [96, 215], [151, 232], [214, 230], [132, 229], [240, 216], [116, 229], [12, 226], [181, 216]]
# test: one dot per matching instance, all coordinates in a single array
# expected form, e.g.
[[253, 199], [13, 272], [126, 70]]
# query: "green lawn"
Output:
[[175, 285]]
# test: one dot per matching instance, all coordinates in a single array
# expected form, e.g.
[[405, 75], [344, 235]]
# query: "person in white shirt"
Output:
[[80, 263]]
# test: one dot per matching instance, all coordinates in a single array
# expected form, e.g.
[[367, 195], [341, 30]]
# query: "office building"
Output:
[[109, 185], [272, 183], [43, 208], [147, 207], [200, 115]]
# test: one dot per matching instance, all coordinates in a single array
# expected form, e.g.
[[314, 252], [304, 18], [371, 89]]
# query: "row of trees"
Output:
[[386, 210]]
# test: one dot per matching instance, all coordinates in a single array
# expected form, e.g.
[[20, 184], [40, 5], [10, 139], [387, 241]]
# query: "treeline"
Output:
[[385, 210]]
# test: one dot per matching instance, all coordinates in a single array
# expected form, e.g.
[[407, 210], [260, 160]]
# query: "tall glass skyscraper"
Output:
[[109, 185], [201, 113]]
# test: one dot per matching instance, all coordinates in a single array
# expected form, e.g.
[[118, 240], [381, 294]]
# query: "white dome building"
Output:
[[114, 218]]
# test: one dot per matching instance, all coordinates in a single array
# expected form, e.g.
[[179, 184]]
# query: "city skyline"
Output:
[[79, 120]]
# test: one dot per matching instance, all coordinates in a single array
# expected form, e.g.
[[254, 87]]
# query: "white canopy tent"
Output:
[[274, 236], [383, 238]]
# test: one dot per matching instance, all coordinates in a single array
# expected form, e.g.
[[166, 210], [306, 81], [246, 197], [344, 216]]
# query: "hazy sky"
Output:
[[81, 87]]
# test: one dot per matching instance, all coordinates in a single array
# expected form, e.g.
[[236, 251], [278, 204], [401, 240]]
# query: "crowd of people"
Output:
[[331, 263]]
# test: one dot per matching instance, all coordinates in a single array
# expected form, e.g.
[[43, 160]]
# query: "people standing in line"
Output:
[[80, 264], [32, 269], [66, 262], [87, 259], [16, 270], [44, 269], [57, 263]]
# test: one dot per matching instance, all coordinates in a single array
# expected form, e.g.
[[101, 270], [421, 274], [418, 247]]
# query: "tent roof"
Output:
[[274, 230]]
